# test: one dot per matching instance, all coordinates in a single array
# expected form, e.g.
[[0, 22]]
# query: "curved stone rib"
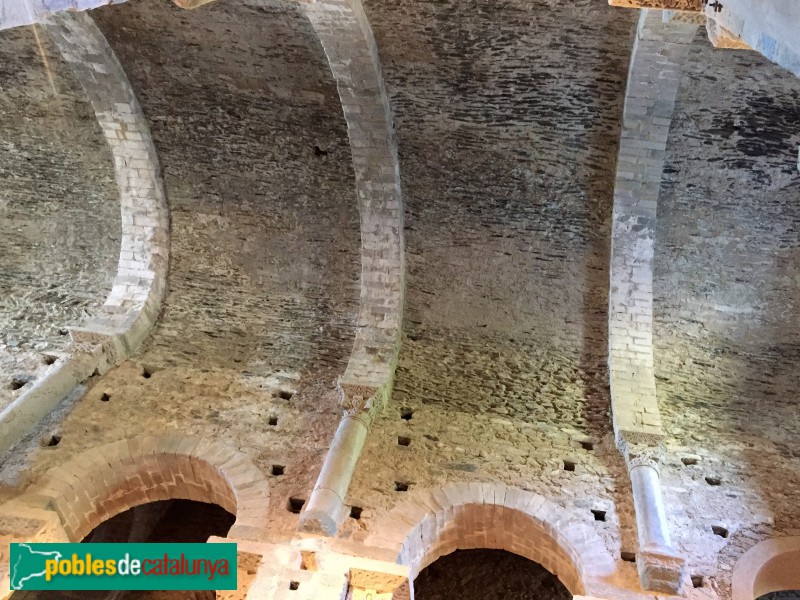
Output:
[[660, 51], [131, 309], [14, 13], [349, 45]]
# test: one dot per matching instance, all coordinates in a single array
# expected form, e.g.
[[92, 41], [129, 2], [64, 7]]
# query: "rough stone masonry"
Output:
[[285, 272]]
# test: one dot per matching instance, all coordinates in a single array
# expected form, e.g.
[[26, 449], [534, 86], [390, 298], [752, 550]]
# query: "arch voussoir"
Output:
[[102, 482], [469, 516]]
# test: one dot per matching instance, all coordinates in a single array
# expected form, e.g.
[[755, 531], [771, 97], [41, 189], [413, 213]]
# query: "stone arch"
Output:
[[349, 45], [461, 516], [104, 481], [770, 566], [132, 307]]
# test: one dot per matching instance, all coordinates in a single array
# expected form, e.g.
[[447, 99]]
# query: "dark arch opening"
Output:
[[488, 575], [164, 521], [785, 595]]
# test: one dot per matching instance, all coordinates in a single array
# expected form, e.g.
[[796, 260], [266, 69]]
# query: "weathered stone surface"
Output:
[[508, 119], [687, 5], [14, 13], [769, 28], [507, 122], [721, 37], [59, 208], [725, 308], [263, 284]]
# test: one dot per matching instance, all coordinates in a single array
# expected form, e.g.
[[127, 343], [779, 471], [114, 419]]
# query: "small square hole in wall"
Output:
[[406, 413], [403, 441], [147, 373], [628, 556], [272, 421], [63, 331], [283, 394], [294, 585], [587, 445], [295, 505], [689, 461], [599, 515], [51, 441], [697, 581], [355, 512], [278, 469], [569, 465], [17, 383], [401, 486], [713, 480], [308, 560], [720, 531], [49, 359], [105, 397]]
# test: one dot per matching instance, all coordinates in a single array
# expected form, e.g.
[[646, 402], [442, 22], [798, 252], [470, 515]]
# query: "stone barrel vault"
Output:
[[132, 307]]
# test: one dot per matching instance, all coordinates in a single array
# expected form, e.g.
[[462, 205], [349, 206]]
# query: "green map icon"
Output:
[[27, 564]]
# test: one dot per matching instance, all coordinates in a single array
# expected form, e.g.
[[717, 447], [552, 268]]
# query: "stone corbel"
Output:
[[359, 402], [373, 585], [721, 37]]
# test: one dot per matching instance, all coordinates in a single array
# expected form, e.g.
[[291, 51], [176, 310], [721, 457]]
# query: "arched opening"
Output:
[[768, 571], [484, 574], [163, 521], [480, 516]]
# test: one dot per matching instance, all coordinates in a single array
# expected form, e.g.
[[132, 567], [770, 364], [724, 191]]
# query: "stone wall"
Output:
[[263, 282], [59, 208], [726, 308], [508, 122]]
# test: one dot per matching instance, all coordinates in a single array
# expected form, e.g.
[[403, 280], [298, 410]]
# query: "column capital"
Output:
[[641, 450], [357, 401]]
